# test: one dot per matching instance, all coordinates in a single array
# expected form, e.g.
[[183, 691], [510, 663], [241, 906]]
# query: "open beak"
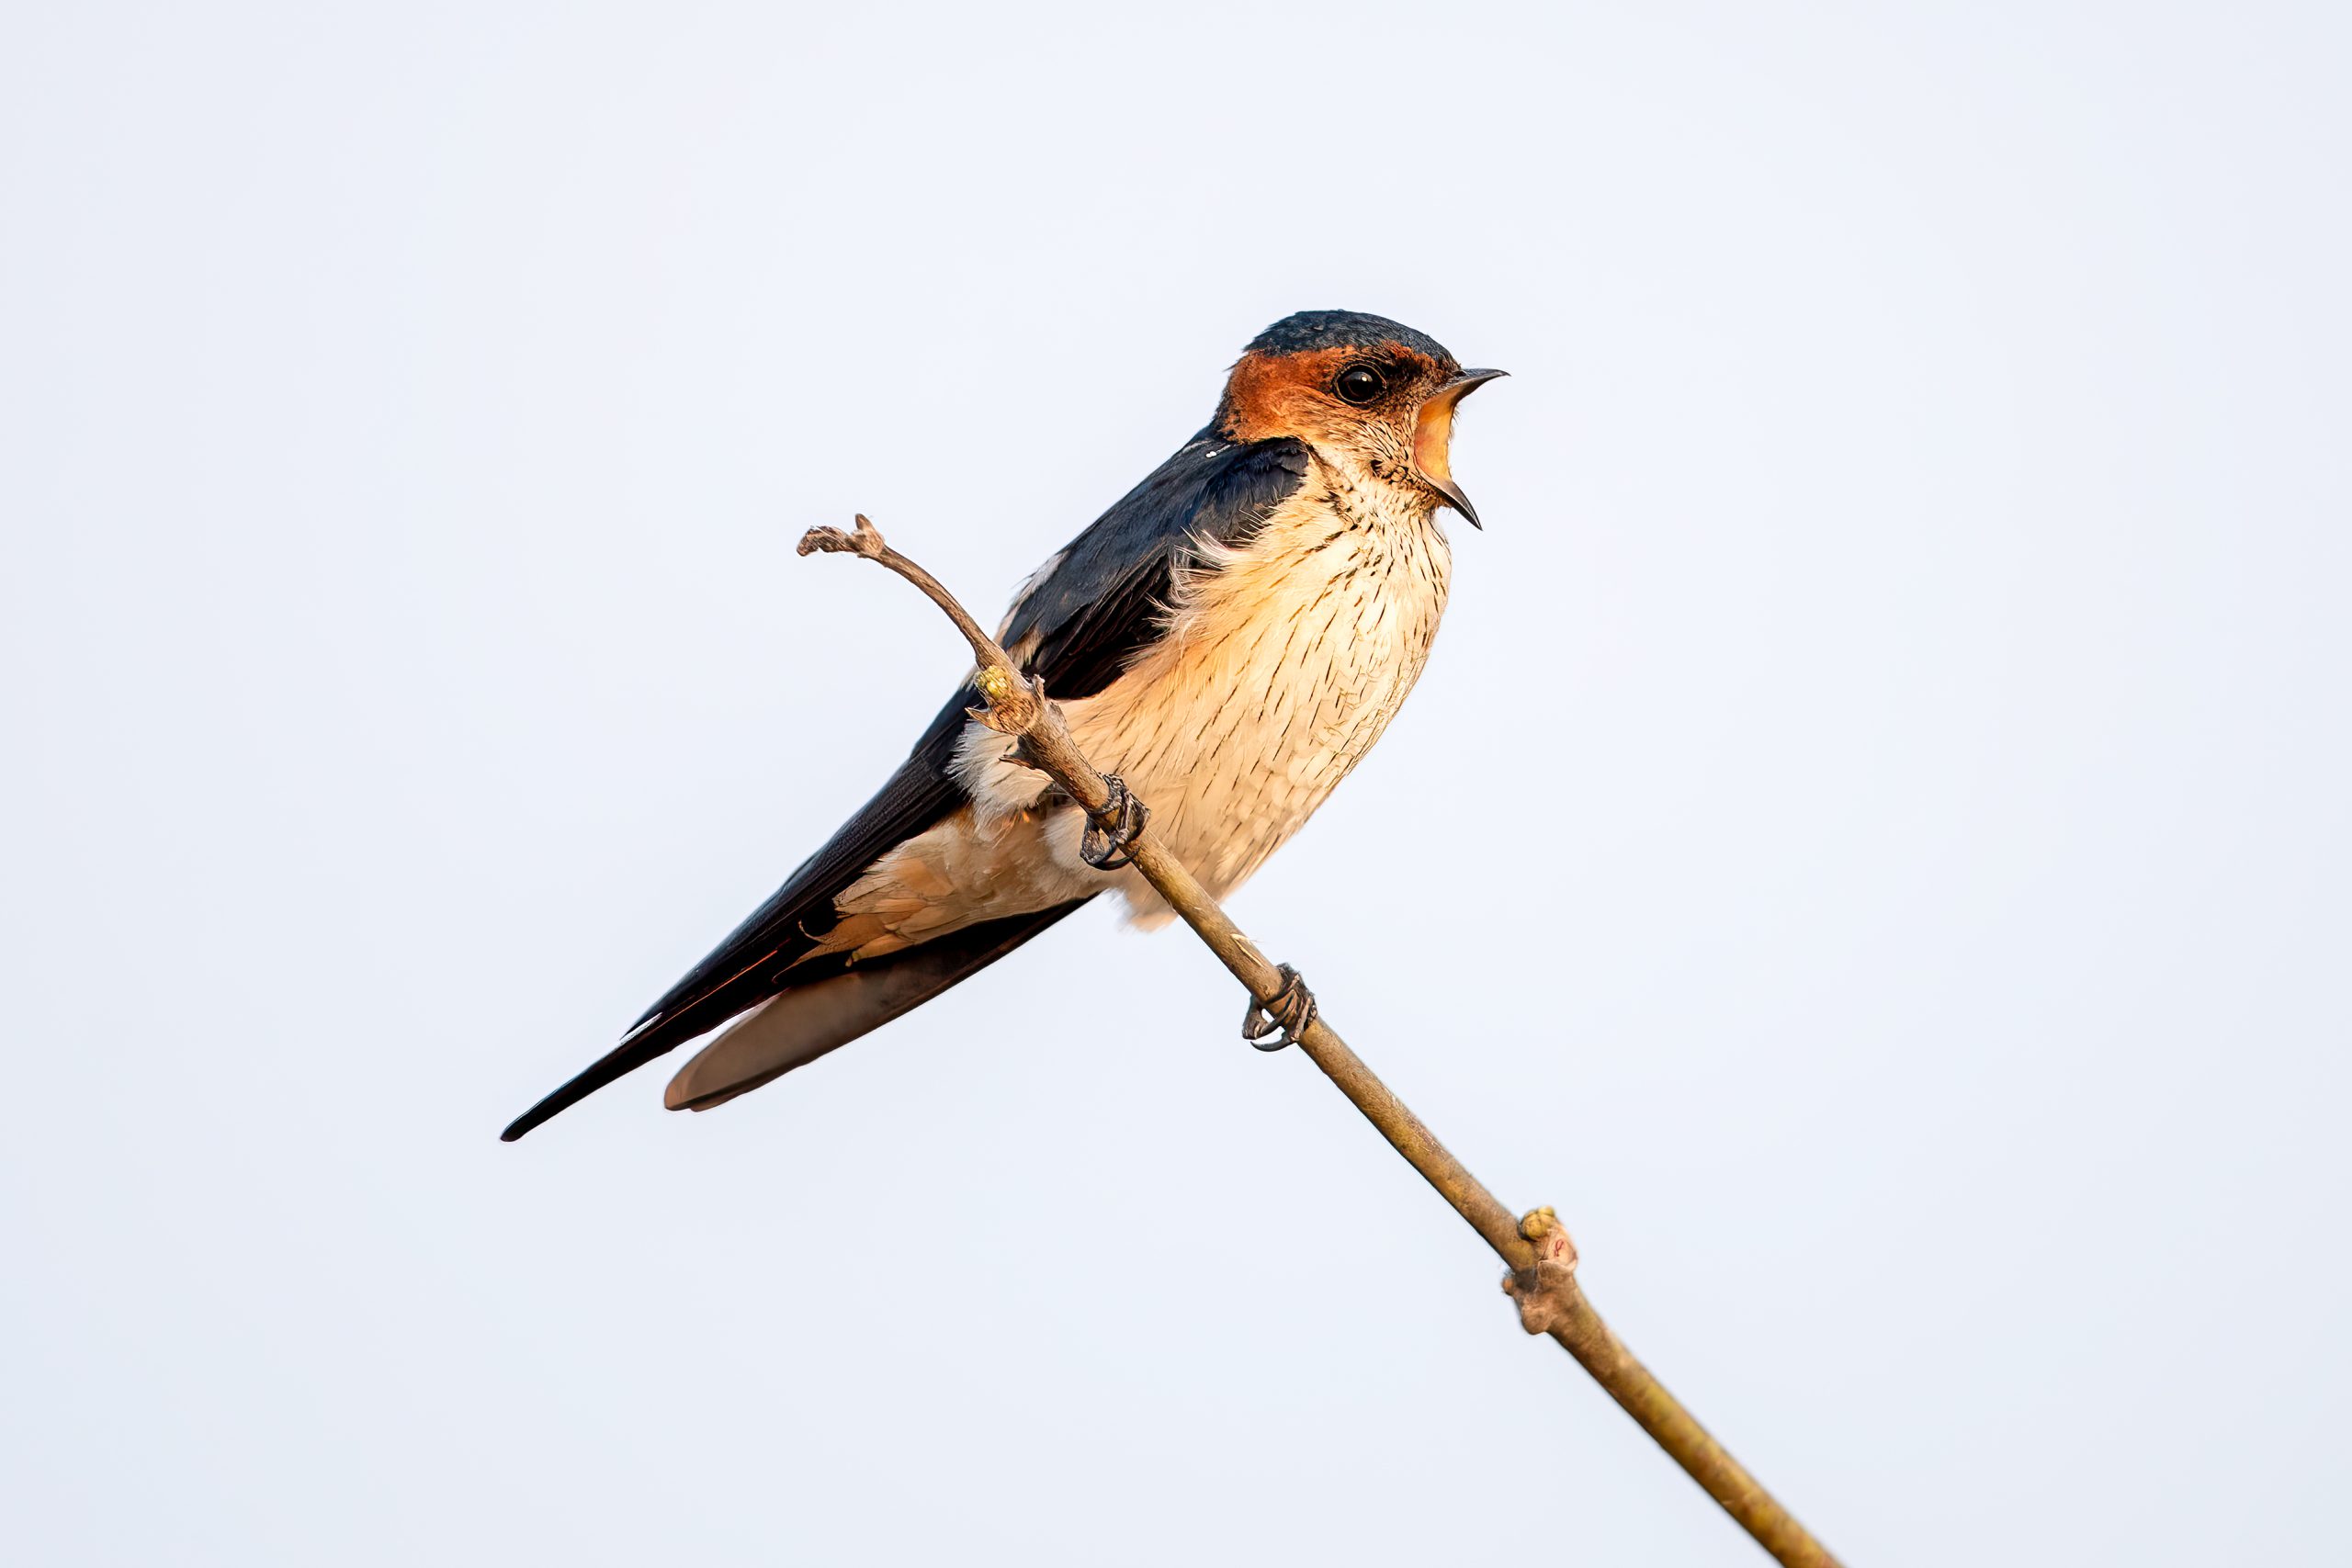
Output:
[[1434, 435]]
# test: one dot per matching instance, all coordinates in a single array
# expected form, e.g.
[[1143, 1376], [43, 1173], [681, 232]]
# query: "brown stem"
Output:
[[1020, 709]]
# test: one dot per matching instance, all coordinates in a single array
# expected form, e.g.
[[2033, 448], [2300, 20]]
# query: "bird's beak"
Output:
[[1434, 435]]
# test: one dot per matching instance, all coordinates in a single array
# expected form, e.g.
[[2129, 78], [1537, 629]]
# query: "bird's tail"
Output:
[[800, 1023]]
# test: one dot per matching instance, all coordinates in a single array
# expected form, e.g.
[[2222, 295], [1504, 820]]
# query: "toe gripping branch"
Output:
[[1110, 830], [1272, 1026]]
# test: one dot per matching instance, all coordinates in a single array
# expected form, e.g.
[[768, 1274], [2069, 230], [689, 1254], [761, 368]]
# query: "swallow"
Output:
[[1230, 638]]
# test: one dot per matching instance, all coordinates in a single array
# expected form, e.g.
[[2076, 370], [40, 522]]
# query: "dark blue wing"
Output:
[[746, 969], [1097, 603], [1103, 598]]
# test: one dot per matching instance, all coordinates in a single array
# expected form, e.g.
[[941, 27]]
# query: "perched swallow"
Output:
[[1230, 638]]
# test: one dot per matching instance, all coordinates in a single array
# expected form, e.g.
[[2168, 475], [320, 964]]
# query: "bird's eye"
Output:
[[1360, 384]]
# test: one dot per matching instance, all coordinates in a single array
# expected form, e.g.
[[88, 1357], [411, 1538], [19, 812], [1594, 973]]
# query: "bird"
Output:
[[1228, 640]]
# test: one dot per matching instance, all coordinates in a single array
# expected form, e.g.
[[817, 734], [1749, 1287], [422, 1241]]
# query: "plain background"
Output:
[[1870, 846]]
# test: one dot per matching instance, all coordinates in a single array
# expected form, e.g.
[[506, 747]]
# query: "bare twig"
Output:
[[1536, 1249]]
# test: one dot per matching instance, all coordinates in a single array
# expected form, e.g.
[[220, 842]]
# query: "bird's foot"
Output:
[[1110, 830], [1272, 1026]]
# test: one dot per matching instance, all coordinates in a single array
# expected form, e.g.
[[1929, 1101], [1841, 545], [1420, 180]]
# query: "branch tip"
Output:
[[865, 540]]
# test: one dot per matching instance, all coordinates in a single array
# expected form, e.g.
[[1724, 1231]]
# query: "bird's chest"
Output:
[[1285, 662]]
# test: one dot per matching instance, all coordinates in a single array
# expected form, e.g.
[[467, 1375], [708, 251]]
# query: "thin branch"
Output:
[[1536, 1249]]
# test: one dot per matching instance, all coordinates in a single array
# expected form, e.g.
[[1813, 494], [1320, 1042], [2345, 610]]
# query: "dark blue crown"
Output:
[[1312, 330]]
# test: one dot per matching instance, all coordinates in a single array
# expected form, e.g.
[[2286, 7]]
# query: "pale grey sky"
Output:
[[1913, 608]]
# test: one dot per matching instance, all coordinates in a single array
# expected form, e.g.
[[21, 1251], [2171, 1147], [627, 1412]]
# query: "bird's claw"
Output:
[[1272, 1026], [1110, 830]]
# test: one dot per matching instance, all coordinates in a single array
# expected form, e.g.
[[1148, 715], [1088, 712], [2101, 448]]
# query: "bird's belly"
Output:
[[1281, 670]]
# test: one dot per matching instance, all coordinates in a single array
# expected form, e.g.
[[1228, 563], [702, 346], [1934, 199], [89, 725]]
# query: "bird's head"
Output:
[[1373, 398]]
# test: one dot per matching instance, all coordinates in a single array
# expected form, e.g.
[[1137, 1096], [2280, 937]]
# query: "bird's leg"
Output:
[[1110, 830], [1272, 1026]]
